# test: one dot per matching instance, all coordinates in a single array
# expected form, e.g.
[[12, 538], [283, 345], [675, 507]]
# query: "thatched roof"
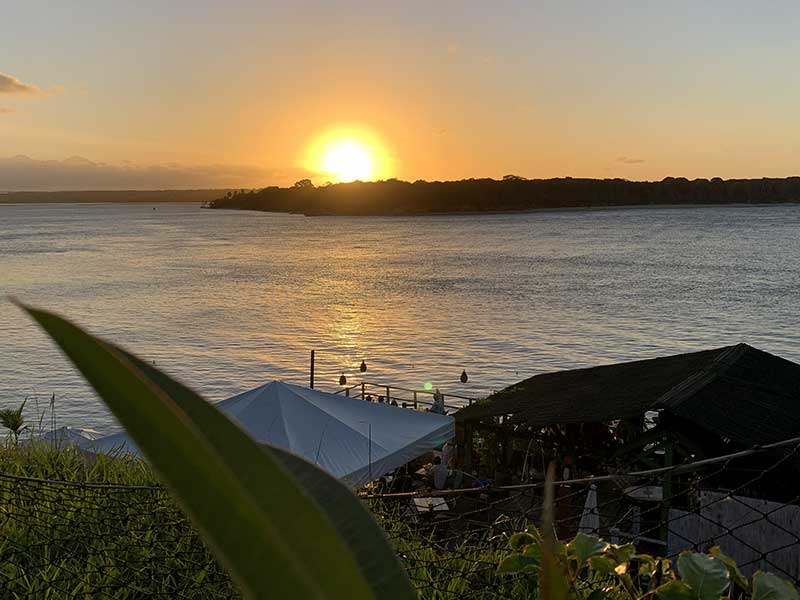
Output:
[[738, 392]]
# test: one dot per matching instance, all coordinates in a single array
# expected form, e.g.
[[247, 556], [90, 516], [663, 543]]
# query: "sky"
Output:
[[234, 94]]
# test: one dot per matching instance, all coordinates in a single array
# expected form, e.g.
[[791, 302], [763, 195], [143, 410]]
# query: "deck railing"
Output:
[[405, 397]]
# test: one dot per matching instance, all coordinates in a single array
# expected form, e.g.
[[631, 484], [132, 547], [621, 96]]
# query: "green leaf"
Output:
[[730, 564], [604, 565], [705, 575], [534, 531], [518, 563], [584, 546], [675, 590], [767, 586], [621, 554], [520, 540], [374, 555], [534, 551], [261, 521]]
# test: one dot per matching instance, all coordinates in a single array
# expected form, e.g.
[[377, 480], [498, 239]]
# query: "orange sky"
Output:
[[206, 93]]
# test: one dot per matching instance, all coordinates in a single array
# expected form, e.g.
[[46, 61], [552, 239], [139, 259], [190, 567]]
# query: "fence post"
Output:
[[388, 396], [311, 374], [666, 490], [415, 400], [363, 389], [347, 392]]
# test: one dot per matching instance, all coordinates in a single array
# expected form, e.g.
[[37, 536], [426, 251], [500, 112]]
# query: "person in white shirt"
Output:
[[438, 473], [447, 454]]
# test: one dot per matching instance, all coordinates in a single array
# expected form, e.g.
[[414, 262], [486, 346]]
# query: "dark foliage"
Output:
[[394, 197]]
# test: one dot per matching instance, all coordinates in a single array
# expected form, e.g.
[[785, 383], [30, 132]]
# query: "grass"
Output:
[[72, 541]]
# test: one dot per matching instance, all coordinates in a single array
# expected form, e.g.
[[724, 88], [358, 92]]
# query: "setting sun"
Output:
[[346, 154], [348, 161]]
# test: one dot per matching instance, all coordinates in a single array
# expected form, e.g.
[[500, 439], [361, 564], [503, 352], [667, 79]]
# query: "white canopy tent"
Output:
[[69, 436], [353, 440]]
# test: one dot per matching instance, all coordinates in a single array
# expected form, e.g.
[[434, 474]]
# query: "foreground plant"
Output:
[[12, 419], [591, 569], [282, 527]]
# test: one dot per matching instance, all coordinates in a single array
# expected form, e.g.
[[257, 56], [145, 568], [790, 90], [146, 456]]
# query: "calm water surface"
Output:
[[228, 300]]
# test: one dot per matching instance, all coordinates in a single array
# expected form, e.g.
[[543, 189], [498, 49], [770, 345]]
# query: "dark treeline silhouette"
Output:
[[113, 196], [512, 193]]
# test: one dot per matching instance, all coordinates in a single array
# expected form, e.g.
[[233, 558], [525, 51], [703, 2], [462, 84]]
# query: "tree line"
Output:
[[512, 193]]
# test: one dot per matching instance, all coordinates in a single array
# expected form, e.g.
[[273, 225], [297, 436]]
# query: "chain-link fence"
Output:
[[76, 540]]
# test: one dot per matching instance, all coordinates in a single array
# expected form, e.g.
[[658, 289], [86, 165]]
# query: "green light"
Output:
[[428, 386]]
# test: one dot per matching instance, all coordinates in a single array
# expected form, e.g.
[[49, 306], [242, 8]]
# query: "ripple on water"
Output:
[[229, 300]]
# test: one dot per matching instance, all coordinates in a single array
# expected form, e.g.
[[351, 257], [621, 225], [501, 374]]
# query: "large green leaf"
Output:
[[585, 546], [355, 524], [767, 586], [733, 569], [706, 576], [262, 522]]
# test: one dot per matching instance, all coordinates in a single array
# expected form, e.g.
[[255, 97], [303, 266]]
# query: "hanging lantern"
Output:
[[342, 380], [363, 366], [464, 377]]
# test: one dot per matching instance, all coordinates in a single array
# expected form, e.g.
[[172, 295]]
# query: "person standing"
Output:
[[438, 403]]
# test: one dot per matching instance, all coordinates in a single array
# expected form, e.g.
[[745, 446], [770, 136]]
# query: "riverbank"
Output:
[[486, 196]]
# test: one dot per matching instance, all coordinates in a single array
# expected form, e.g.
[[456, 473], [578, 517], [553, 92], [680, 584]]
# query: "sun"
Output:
[[348, 160], [344, 154]]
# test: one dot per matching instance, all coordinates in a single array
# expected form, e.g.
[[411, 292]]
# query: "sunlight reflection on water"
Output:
[[229, 300]]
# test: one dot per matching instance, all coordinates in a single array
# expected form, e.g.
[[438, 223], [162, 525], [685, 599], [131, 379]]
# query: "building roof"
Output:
[[738, 392]]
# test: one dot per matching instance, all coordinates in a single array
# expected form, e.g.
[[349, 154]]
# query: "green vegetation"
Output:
[[590, 569], [65, 541], [280, 526], [70, 541], [12, 419], [394, 197]]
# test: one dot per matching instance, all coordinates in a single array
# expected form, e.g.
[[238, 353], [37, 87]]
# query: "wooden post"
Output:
[[467, 446], [347, 392], [388, 390], [311, 384], [415, 400], [666, 487], [363, 390]]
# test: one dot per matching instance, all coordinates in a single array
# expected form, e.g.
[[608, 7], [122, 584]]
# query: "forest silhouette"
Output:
[[512, 193]]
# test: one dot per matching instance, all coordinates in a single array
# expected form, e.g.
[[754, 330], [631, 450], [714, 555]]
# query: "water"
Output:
[[228, 300]]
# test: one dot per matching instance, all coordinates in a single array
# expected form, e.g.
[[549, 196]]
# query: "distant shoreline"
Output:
[[111, 196], [511, 195], [538, 210]]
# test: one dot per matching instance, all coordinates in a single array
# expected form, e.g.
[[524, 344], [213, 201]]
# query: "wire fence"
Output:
[[74, 540]]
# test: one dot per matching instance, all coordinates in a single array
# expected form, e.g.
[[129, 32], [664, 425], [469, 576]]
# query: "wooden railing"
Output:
[[405, 397]]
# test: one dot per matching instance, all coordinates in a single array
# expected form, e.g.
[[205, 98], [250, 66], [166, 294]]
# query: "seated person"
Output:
[[438, 473]]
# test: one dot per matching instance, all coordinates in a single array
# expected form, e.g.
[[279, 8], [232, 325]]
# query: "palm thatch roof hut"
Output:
[[699, 403]]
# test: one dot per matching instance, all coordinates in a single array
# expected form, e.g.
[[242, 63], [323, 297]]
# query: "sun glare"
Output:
[[348, 161], [342, 154]]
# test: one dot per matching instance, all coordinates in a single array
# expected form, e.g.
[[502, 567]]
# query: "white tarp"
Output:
[[353, 440], [69, 436]]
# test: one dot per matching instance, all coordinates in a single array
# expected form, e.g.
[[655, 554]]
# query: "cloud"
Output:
[[11, 85], [5, 110], [628, 160], [22, 173]]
